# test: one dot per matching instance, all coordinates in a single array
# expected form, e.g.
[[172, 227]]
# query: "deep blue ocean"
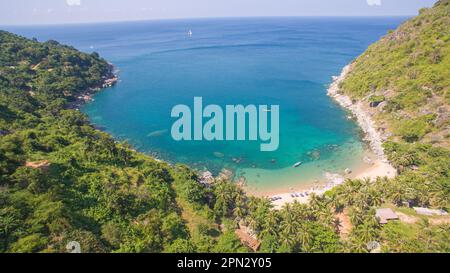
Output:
[[284, 61]]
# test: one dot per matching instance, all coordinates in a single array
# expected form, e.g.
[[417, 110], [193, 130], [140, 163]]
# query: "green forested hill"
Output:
[[403, 80], [60, 179], [408, 71], [405, 77]]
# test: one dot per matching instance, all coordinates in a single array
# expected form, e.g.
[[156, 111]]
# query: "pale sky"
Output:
[[31, 12]]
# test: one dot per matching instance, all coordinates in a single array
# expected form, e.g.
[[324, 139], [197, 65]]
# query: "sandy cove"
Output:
[[380, 167]]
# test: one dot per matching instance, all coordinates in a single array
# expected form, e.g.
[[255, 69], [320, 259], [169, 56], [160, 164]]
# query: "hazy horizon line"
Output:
[[205, 18]]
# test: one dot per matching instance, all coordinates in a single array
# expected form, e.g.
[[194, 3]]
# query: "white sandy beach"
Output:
[[377, 169]]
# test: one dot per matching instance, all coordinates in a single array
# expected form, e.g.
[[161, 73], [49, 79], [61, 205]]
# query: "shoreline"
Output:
[[109, 80], [301, 193], [364, 119], [379, 167]]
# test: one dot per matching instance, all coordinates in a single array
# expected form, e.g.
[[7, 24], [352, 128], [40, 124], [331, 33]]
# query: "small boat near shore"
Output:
[[298, 164]]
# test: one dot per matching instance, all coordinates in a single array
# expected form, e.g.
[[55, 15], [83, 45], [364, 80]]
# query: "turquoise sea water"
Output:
[[283, 61]]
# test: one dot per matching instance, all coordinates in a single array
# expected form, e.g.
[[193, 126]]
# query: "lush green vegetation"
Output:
[[411, 61], [409, 71], [110, 198], [376, 100], [95, 191]]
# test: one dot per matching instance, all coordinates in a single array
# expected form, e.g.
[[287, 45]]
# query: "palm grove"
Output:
[[110, 198]]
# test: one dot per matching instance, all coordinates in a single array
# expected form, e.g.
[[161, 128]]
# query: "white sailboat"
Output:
[[190, 33]]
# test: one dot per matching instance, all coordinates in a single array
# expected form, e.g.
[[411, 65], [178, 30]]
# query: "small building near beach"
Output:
[[385, 215]]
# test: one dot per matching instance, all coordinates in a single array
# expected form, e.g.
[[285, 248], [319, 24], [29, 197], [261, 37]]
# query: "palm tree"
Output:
[[270, 226], [314, 201], [356, 245], [325, 216], [253, 203], [439, 198], [252, 223], [426, 233], [258, 211], [266, 204], [367, 232], [365, 183], [361, 200], [376, 198], [356, 216], [287, 240], [402, 160], [289, 224], [351, 189], [302, 212], [397, 193], [305, 238], [221, 206], [239, 209], [337, 204], [337, 225]]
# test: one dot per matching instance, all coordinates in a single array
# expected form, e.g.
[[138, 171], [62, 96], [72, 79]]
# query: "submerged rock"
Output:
[[157, 133], [315, 155], [236, 160]]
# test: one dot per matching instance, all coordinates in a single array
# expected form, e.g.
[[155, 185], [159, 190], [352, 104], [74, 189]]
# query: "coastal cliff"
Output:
[[363, 116], [398, 90], [403, 80]]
